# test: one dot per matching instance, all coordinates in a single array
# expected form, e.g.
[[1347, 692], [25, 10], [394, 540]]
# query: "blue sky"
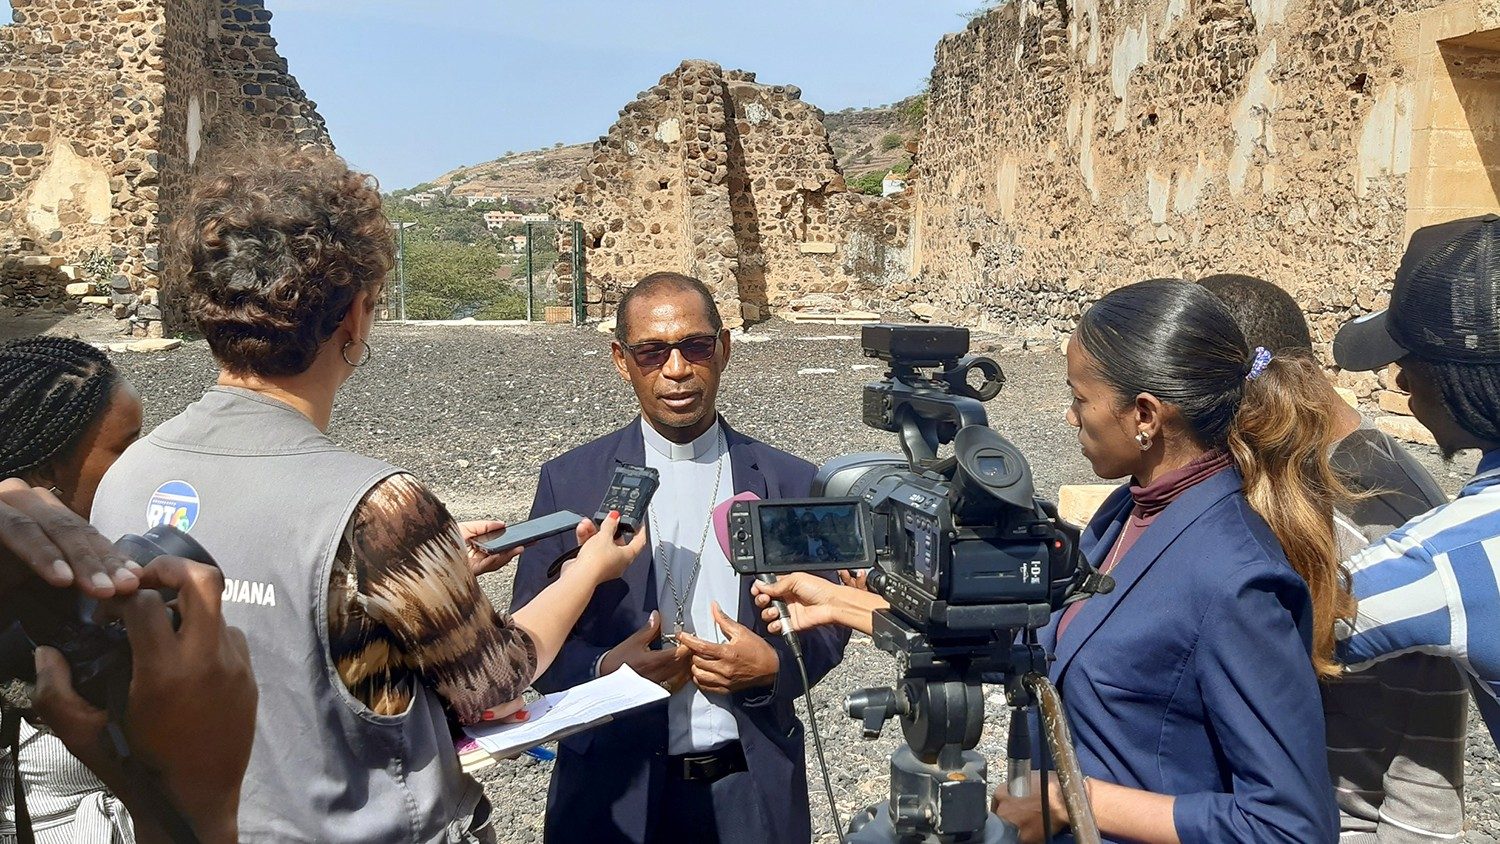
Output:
[[413, 88]]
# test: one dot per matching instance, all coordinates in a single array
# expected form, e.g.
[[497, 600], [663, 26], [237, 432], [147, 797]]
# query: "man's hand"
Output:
[[40, 535], [479, 561], [1025, 813], [745, 661], [668, 668], [190, 717]]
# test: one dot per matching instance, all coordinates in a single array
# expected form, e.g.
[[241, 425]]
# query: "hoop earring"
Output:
[[363, 359], [1143, 440]]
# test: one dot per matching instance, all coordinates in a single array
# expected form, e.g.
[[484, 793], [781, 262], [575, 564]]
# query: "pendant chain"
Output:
[[681, 601]]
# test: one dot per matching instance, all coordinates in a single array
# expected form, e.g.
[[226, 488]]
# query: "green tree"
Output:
[[891, 141], [447, 279], [869, 183]]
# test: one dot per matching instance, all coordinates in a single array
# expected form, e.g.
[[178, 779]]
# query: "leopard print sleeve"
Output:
[[404, 608]]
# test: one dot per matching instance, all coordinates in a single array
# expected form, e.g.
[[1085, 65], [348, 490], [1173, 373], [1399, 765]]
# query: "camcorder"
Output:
[[972, 564], [960, 546], [99, 654]]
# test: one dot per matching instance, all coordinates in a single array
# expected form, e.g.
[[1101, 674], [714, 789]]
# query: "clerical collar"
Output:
[[706, 442]]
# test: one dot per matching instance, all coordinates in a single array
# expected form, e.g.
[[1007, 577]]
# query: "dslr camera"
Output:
[[98, 654]]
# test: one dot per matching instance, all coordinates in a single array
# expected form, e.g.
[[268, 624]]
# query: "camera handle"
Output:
[[929, 422]]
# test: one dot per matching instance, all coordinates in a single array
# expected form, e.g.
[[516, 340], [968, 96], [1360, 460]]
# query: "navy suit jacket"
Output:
[[1193, 678], [607, 779]]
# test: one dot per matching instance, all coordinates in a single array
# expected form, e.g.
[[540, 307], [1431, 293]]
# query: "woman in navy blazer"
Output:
[[1192, 687]]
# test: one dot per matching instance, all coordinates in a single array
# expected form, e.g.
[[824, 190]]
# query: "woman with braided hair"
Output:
[[66, 414]]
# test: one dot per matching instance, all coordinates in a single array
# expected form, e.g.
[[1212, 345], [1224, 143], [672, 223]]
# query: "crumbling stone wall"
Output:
[[1072, 147], [715, 175], [105, 108]]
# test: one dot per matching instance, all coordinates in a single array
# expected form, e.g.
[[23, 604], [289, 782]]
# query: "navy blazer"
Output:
[[1193, 677], [606, 779]]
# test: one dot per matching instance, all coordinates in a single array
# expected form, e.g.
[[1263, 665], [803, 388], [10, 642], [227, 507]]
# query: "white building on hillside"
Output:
[[496, 220]]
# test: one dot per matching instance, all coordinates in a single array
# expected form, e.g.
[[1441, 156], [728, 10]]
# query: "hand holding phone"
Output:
[[527, 532]]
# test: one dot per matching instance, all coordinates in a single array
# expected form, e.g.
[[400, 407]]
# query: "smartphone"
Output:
[[526, 532]]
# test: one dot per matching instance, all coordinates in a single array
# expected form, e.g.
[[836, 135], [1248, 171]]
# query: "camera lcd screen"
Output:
[[813, 536]]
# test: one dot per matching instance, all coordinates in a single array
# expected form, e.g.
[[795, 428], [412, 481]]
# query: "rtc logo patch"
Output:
[[174, 503]]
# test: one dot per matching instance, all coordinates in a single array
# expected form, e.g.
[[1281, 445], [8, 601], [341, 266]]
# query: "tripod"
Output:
[[938, 781]]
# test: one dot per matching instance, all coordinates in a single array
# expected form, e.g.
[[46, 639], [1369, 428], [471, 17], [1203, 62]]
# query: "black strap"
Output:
[[10, 735], [145, 783], [557, 565]]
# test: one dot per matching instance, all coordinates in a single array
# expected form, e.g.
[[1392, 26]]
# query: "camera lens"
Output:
[[163, 541]]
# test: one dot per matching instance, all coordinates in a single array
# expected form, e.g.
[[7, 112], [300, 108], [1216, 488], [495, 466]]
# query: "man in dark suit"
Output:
[[723, 761]]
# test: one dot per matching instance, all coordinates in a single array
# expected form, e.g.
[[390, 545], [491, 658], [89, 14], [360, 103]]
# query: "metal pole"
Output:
[[577, 272], [530, 293], [401, 266]]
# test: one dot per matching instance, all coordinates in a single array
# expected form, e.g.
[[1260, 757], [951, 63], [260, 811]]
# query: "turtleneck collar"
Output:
[[1154, 498], [706, 442]]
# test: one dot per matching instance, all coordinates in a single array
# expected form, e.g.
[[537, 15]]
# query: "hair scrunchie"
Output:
[[1262, 359]]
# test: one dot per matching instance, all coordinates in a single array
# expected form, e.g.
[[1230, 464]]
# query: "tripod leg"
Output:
[[1060, 740]]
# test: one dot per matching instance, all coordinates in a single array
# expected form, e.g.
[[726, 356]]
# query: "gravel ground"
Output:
[[474, 411]]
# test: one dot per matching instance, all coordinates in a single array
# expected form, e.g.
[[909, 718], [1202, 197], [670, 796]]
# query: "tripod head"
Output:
[[938, 781]]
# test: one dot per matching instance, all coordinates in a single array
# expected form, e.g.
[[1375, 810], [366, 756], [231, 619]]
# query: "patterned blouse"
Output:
[[404, 608]]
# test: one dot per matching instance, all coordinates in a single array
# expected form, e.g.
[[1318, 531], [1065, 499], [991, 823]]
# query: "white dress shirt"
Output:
[[681, 507]]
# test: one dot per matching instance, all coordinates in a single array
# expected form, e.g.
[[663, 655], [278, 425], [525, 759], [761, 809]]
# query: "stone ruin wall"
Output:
[[105, 110], [1073, 148], [734, 182]]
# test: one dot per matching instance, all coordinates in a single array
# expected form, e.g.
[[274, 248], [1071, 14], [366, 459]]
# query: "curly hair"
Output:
[[51, 390], [277, 244]]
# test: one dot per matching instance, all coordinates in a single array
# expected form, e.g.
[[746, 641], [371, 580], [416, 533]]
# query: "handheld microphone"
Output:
[[721, 530]]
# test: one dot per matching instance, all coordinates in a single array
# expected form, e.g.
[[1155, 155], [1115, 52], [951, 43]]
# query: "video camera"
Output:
[[970, 561], [98, 654], [959, 546]]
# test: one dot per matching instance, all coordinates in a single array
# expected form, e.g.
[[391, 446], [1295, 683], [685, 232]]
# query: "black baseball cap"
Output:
[[1445, 304]]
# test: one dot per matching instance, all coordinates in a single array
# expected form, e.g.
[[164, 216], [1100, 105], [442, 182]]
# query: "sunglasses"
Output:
[[696, 349]]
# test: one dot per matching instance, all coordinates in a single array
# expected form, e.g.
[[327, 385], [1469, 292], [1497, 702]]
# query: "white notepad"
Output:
[[569, 711]]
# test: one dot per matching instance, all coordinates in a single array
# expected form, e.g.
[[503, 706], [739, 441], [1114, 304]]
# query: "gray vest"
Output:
[[270, 497]]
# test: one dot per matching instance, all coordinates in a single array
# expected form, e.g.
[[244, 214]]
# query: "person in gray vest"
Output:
[[1396, 732], [355, 588]]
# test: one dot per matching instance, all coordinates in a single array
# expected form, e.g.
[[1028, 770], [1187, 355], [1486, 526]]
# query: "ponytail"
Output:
[[1280, 439], [1176, 341]]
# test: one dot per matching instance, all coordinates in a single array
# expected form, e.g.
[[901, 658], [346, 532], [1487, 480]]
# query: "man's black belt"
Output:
[[708, 766]]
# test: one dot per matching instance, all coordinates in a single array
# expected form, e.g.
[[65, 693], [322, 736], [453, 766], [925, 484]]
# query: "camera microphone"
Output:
[[721, 530]]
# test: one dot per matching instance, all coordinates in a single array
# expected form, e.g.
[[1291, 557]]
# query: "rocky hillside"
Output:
[[861, 140], [526, 177], [861, 137]]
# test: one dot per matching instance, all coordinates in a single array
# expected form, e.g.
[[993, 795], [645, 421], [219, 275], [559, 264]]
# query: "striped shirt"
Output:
[[1396, 731], [67, 803], [1433, 586]]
